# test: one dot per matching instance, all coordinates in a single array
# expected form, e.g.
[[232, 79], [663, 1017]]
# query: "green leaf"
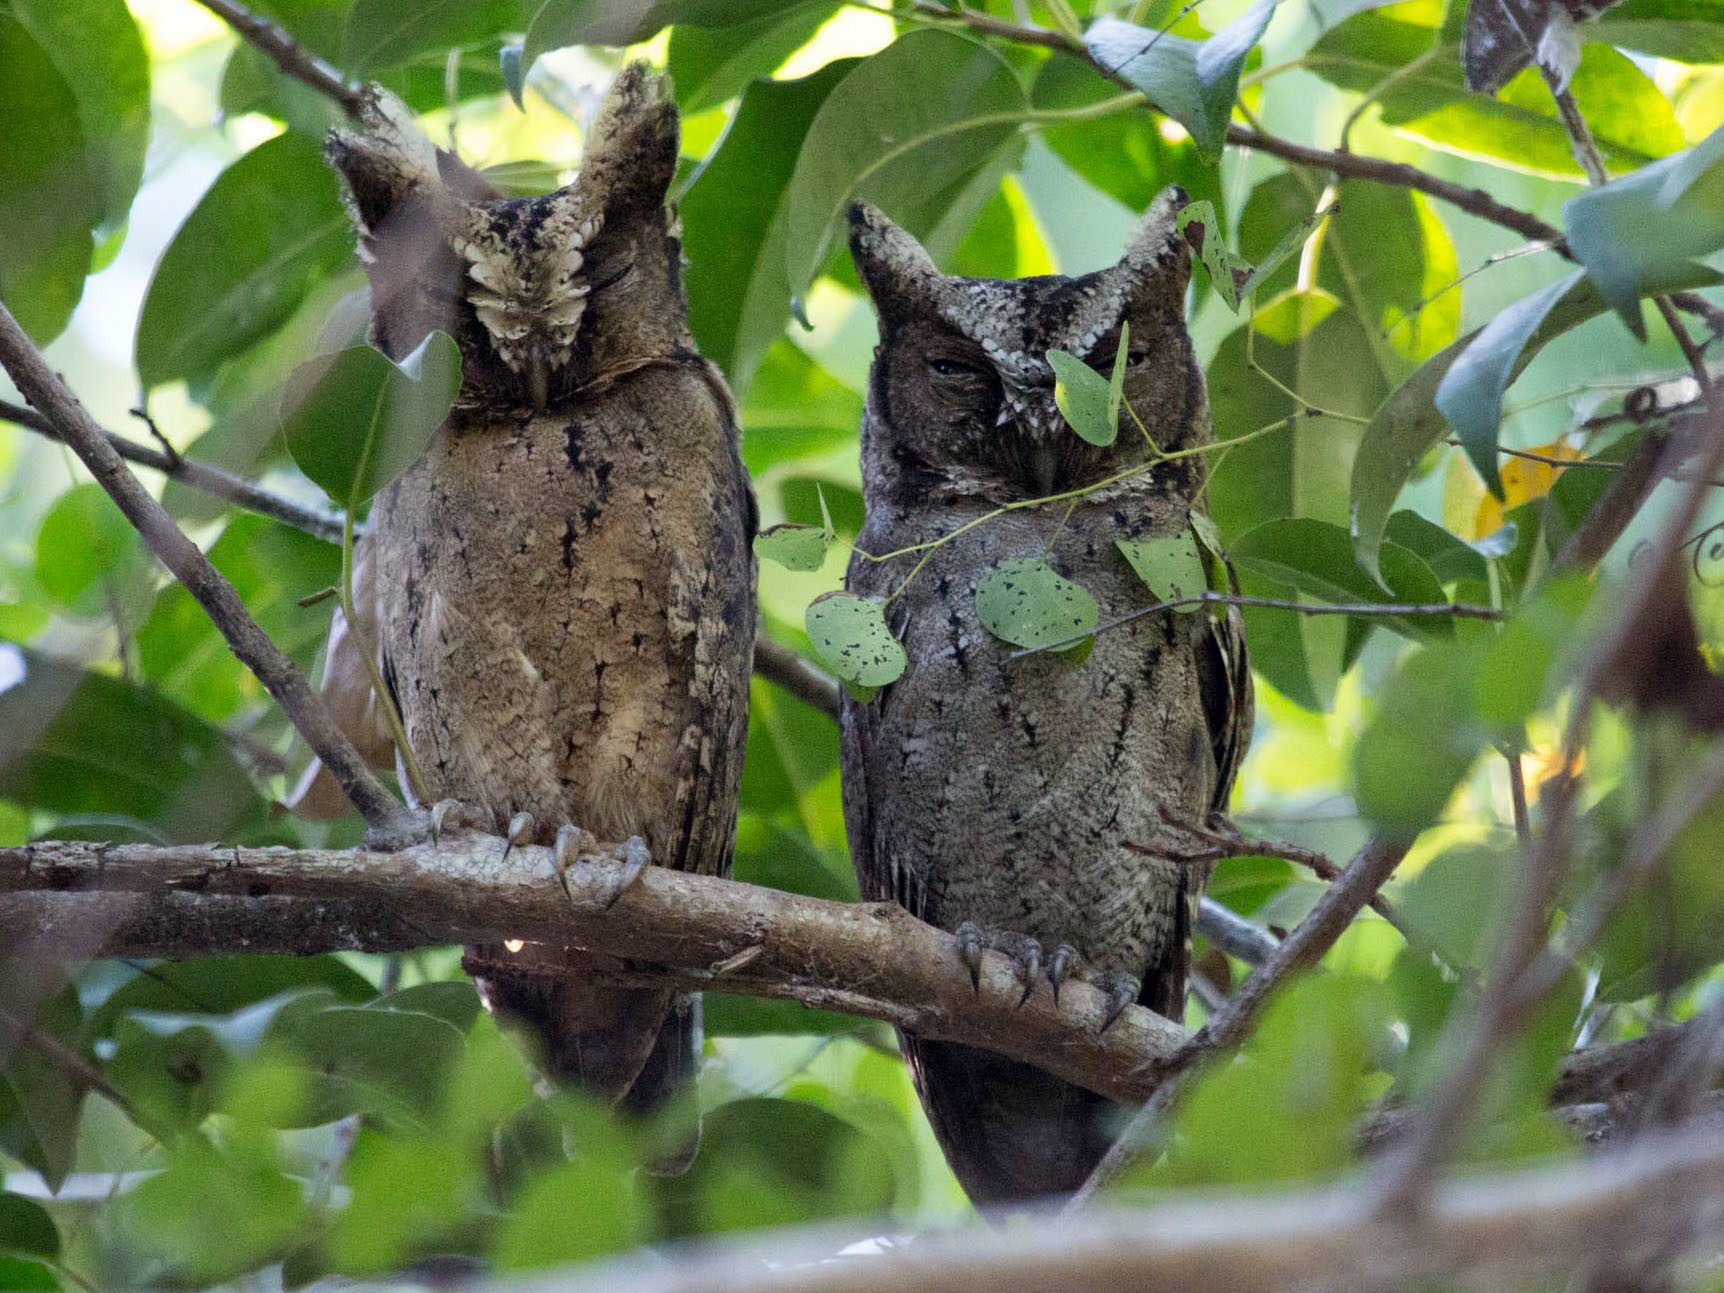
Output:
[[1316, 557], [1194, 82], [1470, 394], [209, 1218], [71, 743], [709, 65], [355, 420], [1027, 603], [560, 23], [795, 547], [408, 1195], [384, 33], [903, 129], [26, 1227], [220, 985], [1085, 398], [168, 1076], [1421, 742], [734, 219], [40, 1103], [50, 200], [1644, 231], [1688, 31], [1228, 273], [1387, 254], [86, 539], [850, 636], [575, 1213], [353, 1058], [97, 47], [1632, 122], [1171, 567], [269, 229], [1450, 559]]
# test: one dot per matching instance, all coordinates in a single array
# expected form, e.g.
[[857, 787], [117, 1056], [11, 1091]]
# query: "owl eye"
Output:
[[952, 368]]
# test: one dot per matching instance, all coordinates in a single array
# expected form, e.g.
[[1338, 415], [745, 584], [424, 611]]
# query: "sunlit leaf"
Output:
[[84, 539], [711, 64], [381, 33]]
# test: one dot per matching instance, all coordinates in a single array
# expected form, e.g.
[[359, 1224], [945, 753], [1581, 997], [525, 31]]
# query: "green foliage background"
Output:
[[170, 228]]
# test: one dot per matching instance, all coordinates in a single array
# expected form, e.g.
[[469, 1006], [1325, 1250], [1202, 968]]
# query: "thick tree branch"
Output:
[[211, 480], [873, 960], [1659, 1198], [782, 666], [279, 675]]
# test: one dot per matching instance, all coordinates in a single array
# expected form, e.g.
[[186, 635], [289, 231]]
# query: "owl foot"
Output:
[[453, 814], [1122, 990], [520, 832], [572, 844], [1026, 954]]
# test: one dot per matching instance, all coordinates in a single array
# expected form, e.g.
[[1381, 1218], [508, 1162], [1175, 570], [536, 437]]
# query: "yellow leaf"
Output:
[[1524, 479]]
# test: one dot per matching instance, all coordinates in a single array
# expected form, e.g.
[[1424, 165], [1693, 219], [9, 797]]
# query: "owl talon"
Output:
[[521, 828], [635, 861], [1029, 965], [1059, 966], [1121, 994], [572, 843], [969, 938], [451, 813]]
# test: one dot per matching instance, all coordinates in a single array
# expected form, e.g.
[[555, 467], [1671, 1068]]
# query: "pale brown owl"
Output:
[[563, 586], [1035, 805]]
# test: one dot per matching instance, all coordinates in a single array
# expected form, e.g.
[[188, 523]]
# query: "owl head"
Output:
[[542, 294], [961, 396]]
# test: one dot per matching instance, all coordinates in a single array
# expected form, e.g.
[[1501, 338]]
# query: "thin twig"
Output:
[[293, 58], [280, 676], [786, 668], [211, 480], [77, 1070], [1378, 610], [1369, 870]]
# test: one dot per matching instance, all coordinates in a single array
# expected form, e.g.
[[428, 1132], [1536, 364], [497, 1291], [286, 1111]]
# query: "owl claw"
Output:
[[450, 812], [1029, 964], [521, 828], [1059, 966], [969, 936], [1120, 994], [572, 842], [635, 861]]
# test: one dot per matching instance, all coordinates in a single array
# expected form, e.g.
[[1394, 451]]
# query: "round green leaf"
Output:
[[26, 1227], [850, 636], [83, 537], [1028, 603], [795, 547], [354, 420]]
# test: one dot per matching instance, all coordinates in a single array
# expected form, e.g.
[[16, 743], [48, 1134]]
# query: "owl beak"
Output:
[[538, 378], [1044, 467]]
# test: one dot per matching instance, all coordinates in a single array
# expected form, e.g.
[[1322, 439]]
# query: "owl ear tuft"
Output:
[[388, 157], [633, 145], [1157, 260], [896, 269]]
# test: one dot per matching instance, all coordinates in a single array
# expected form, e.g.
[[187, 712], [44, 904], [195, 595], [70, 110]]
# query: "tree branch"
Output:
[[288, 54], [786, 668], [874, 960], [279, 675], [324, 525], [1658, 1198]]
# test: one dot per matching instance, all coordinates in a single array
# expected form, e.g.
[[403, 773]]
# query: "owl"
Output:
[[561, 590], [1047, 809]]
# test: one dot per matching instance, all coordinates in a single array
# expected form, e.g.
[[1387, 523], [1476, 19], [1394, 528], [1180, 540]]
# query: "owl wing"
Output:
[[1224, 685]]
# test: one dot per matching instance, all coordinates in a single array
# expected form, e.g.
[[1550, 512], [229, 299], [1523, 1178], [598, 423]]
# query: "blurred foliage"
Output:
[[169, 221]]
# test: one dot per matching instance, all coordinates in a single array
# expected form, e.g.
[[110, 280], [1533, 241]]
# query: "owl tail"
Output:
[[1009, 1131], [628, 1046]]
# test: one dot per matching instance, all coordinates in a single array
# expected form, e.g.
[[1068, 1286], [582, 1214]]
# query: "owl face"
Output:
[[543, 294], [961, 395]]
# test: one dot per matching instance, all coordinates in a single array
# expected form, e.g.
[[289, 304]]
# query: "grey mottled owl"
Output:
[[563, 586], [1012, 800]]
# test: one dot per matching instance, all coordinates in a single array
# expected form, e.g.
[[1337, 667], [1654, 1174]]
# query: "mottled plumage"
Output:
[[563, 584], [1008, 793]]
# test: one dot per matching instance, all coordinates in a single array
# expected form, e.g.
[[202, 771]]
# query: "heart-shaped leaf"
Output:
[[1171, 567], [1084, 398], [354, 420], [1028, 603], [850, 636]]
